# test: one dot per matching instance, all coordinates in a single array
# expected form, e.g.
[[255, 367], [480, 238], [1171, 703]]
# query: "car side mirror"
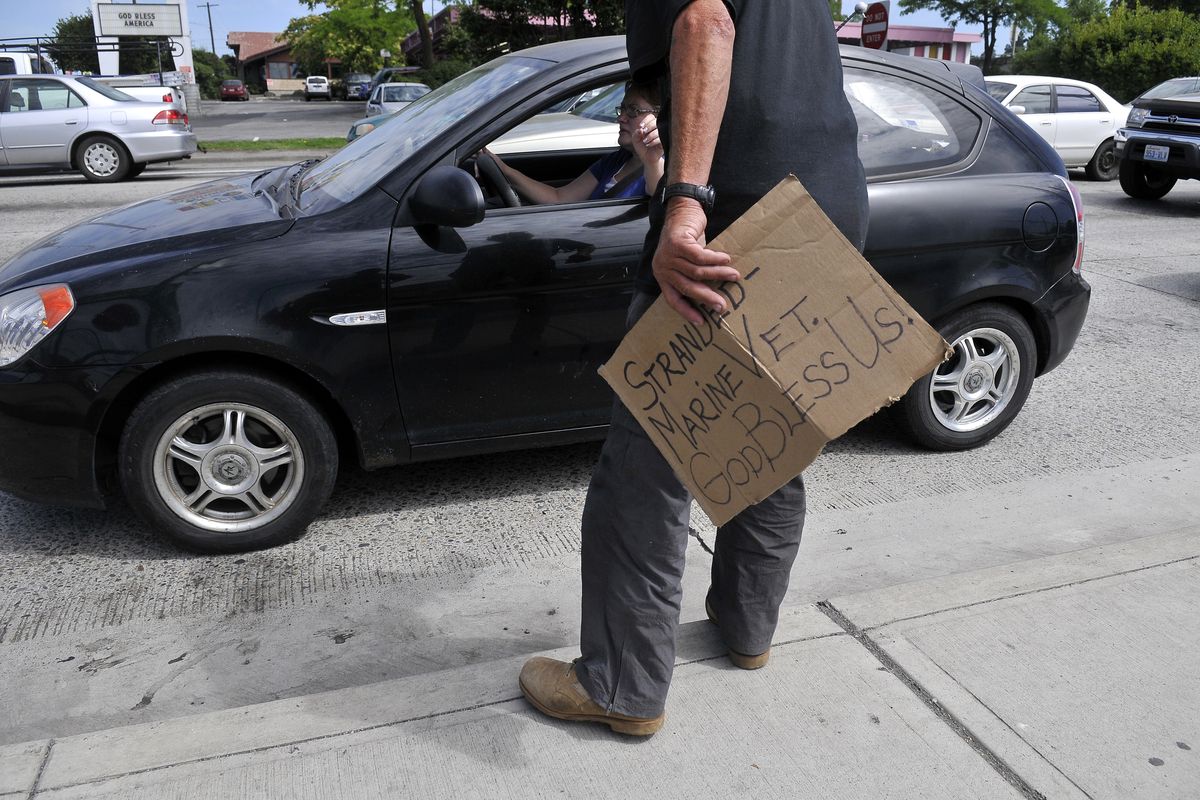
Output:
[[447, 196], [1017, 109]]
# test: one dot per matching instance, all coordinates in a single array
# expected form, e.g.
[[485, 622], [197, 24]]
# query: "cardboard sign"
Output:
[[812, 341]]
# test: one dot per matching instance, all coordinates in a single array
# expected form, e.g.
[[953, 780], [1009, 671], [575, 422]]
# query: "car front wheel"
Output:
[[103, 160], [1143, 182], [976, 393], [1104, 165], [225, 460]]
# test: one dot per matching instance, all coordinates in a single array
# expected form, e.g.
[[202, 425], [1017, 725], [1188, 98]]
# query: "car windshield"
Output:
[[1173, 88], [403, 94], [361, 163], [358, 77], [106, 90], [999, 89]]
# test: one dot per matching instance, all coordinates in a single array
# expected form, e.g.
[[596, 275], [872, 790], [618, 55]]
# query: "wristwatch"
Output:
[[704, 195]]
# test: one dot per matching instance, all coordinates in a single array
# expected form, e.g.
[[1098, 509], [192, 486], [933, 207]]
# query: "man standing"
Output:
[[752, 92]]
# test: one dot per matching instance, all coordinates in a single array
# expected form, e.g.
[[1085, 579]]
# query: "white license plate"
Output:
[[1157, 152]]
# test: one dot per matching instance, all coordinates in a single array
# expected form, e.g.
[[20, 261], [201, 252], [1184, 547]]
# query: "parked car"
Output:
[[216, 351], [1160, 143], [67, 122], [387, 98], [18, 61], [357, 86], [233, 89], [316, 86], [1078, 119], [390, 75]]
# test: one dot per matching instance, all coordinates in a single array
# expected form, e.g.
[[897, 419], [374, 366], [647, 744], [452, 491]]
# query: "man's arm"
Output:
[[701, 59]]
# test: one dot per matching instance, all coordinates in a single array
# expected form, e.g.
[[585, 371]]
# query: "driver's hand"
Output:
[[646, 144], [684, 267]]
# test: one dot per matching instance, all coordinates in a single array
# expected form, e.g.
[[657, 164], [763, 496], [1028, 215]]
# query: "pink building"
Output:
[[919, 41]]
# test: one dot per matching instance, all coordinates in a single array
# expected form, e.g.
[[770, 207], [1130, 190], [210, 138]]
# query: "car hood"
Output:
[[207, 215], [1182, 104]]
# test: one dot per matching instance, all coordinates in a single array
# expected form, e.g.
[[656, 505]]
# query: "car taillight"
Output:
[[170, 117], [1077, 202]]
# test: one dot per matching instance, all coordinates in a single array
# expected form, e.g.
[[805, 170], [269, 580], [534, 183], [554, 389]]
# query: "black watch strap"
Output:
[[704, 195]]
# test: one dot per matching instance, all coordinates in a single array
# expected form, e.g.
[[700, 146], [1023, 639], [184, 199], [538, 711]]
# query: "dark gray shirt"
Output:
[[786, 113]]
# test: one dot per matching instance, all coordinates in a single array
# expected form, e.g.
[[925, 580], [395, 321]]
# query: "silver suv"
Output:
[[62, 121], [317, 86]]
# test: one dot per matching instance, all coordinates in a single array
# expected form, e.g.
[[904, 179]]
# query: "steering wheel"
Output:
[[491, 172]]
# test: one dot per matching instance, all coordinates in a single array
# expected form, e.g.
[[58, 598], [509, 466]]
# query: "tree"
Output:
[[418, 12], [991, 14], [497, 26], [1126, 51], [73, 44], [351, 31], [211, 69]]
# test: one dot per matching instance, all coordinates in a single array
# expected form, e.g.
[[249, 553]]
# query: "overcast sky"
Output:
[[37, 18]]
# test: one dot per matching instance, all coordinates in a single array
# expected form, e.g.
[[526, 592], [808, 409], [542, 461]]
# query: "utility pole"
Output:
[[209, 7]]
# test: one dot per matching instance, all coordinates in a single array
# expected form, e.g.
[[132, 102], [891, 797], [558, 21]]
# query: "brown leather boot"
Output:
[[739, 659], [553, 689]]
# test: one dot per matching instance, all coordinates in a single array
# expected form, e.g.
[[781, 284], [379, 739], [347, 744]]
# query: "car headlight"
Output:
[[1137, 117], [364, 129], [29, 315]]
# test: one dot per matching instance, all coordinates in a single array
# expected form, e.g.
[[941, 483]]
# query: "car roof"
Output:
[[404, 83]]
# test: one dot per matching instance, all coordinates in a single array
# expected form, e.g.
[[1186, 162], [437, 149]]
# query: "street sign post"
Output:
[[875, 25]]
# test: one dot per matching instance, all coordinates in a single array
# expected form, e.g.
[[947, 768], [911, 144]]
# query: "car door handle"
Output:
[[72, 122], [1046, 123]]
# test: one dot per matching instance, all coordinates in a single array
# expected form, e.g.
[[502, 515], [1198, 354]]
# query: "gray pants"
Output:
[[635, 532]]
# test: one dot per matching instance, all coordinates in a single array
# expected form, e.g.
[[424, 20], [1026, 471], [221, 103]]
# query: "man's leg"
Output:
[[752, 563], [635, 524]]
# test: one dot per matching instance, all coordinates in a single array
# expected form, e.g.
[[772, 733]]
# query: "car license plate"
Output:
[[1157, 152]]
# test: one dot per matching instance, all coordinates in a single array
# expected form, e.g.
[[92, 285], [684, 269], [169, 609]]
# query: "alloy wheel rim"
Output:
[[977, 383], [228, 467], [101, 159]]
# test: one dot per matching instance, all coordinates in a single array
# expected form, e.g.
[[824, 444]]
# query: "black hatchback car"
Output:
[[214, 352]]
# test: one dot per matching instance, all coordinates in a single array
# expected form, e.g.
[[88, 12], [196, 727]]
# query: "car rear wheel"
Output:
[[976, 393], [103, 160], [1143, 182], [225, 460], [1104, 165], [136, 169]]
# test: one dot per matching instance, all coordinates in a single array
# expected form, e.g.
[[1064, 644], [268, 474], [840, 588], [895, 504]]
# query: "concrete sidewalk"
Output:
[[1069, 676]]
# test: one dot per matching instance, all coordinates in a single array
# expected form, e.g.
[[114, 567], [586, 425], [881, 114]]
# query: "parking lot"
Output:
[[420, 568]]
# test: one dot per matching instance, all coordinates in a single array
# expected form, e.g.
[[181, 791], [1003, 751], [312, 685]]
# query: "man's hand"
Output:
[[684, 267]]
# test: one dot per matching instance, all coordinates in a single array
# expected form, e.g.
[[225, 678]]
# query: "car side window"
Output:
[[8, 66], [905, 126], [1035, 99], [1076, 99], [35, 95]]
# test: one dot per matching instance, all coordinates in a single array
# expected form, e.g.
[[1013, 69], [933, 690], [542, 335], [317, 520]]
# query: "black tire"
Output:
[[1104, 165], [136, 169], [214, 485], [1143, 182], [102, 159], [975, 397]]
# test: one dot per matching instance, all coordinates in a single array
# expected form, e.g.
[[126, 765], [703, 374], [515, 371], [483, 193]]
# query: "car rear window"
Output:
[[904, 126], [107, 91], [231, 83], [1000, 89]]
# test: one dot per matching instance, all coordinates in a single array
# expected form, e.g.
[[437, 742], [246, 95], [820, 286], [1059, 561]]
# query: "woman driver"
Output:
[[633, 170]]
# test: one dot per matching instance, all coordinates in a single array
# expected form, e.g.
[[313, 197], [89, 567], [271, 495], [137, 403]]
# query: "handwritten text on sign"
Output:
[[811, 342]]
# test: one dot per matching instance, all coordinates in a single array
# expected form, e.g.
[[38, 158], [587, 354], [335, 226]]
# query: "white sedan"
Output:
[[1078, 119], [391, 97]]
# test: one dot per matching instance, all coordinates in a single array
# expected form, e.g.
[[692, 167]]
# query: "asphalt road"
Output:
[[420, 568], [275, 118]]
